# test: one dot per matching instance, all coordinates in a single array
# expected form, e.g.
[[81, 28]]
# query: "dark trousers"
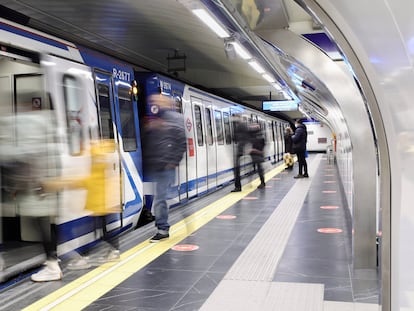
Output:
[[49, 237], [237, 181], [303, 166], [257, 162]]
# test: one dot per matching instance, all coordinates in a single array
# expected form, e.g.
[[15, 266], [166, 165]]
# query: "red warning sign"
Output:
[[190, 147], [226, 217], [329, 230], [185, 247]]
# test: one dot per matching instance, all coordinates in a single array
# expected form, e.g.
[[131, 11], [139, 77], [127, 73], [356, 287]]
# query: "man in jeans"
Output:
[[163, 148]]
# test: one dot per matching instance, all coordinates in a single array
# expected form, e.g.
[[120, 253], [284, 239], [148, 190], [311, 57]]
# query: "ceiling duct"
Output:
[[313, 101]]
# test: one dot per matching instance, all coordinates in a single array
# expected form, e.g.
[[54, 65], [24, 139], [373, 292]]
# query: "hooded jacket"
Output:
[[300, 138]]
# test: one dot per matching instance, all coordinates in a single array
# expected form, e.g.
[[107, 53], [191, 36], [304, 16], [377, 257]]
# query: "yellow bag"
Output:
[[288, 159], [99, 184]]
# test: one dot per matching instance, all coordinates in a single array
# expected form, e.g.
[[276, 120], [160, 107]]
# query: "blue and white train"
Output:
[[90, 94]]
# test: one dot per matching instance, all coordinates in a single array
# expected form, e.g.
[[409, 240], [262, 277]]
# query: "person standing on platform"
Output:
[[299, 140], [164, 145], [257, 151], [27, 158], [287, 157], [241, 137]]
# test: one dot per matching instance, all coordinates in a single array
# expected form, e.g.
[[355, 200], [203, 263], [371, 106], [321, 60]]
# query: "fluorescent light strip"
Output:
[[268, 77], [276, 86], [241, 51], [256, 66], [211, 23]]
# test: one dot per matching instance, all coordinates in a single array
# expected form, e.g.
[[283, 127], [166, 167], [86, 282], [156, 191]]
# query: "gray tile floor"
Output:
[[185, 280]]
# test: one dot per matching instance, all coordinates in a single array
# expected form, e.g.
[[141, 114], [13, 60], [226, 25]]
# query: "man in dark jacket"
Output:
[[163, 148], [241, 137], [258, 142], [299, 140]]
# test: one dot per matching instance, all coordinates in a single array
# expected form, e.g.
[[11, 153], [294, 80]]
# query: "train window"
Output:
[[178, 102], [71, 89], [219, 127], [199, 125], [209, 126], [227, 131], [105, 115], [126, 113]]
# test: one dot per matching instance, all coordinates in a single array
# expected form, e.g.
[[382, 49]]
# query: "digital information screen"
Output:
[[279, 105]]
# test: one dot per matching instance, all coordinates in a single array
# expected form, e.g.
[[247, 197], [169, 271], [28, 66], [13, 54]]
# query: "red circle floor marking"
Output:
[[329, 230], [185, 247], [226, 217], [250, 198], [329, 207], [329, 191]]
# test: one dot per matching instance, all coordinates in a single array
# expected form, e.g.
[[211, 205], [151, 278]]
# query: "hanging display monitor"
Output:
[[279, 105]]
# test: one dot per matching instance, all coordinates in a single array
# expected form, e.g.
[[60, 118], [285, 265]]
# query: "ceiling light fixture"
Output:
[[276, 86], [241, 51], [256, 66], [268, 77], [211, 23]]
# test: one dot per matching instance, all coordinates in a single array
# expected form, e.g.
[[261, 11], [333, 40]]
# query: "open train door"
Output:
[[72, 91], [107, 115]]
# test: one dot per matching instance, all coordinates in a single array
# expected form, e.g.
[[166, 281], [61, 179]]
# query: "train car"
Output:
[[89, 97], [209, 160]]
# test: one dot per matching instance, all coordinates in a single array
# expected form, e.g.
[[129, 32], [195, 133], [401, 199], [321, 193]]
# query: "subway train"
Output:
[[91, 96]]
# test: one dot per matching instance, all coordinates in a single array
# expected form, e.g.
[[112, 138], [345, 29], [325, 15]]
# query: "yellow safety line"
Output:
[[94, 284]]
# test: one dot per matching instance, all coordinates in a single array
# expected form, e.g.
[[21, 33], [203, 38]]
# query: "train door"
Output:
[[211, 148], [106, 108], [22, 89], [273, 142], [182, 171], [200, 149]]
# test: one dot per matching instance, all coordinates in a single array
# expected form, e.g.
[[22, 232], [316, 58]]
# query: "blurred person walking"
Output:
[[241, 137], [100, 185], [164, 144], [299, 140], [256, 152], [28, 157]]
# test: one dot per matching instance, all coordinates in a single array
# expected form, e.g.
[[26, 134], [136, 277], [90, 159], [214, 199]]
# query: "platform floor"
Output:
[[285, 247]]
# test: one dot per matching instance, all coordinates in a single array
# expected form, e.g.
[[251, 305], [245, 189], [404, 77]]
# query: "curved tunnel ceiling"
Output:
[[147, 32]]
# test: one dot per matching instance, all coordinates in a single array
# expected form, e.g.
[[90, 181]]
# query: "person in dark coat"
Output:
[[287, 157], [256, 152], [164, 145], [299, 140], [241, 137]]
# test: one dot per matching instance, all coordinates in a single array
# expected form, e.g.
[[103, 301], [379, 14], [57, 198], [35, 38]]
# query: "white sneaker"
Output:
[[79, 264], [51, 272], [113, 255]]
